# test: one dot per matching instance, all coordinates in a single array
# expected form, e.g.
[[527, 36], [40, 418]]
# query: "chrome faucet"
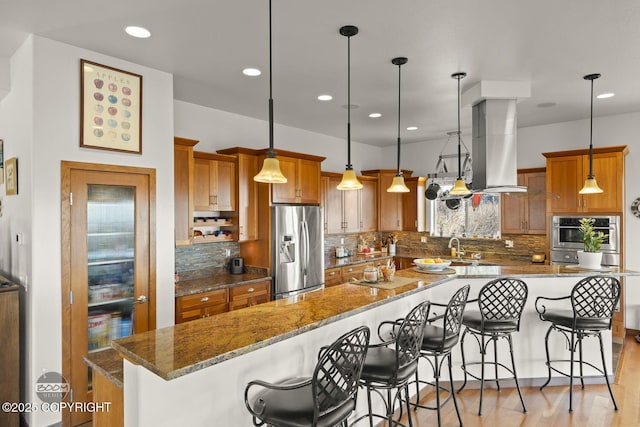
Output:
[[459, 255]]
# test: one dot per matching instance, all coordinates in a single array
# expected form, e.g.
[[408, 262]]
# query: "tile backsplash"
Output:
[[205, 256]]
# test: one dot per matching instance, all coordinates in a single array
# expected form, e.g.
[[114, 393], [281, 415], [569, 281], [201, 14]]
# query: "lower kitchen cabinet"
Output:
[[332, 276], [249, 295], [403, 263], [197, 306]]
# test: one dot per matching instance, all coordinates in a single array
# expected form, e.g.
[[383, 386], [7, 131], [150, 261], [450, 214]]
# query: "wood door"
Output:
[[390, 205], [535, 204], [607, 168], [225, 188], [410, 206], [308, 181], [350, 211], [247, 198], [368, 208], [183, 189], [332, 205], [563, 174], [108, 246], [286, 193], [202, 184]]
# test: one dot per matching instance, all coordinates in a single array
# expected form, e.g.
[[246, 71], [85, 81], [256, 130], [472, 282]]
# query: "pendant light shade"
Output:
[[398, 185], [590, 184], [460, 187], [349, 179], [270, 172]]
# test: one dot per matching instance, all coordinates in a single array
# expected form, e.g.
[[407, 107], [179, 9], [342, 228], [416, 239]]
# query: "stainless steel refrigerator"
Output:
[[298, 249]]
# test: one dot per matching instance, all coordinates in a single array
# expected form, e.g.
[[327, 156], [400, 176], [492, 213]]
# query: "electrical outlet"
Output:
[[227, 252], [423, 239]]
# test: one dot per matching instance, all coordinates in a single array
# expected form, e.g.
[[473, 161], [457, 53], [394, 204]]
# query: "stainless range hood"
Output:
[[494, 135]]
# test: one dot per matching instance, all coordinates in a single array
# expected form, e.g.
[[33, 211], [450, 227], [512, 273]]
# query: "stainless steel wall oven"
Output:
[[566, 241]]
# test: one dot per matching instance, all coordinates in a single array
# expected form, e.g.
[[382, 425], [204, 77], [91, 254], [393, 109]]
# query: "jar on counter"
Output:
[[371, 274]]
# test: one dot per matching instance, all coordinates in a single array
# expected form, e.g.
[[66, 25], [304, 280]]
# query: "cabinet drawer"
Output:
[[199, 313], [250, 290], [354, 271], [248, 302], [332, 277], [201, 300]]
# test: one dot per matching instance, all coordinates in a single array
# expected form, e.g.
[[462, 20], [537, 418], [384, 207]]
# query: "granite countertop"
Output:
[[219, 279], [332, 261], [109, 363], [178, 350]]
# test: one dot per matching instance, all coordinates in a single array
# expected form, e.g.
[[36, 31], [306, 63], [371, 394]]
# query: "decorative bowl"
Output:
[[431, 264]]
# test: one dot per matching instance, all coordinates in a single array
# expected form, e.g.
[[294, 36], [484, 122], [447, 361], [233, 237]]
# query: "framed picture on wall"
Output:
[[11, 176], [110, 108]]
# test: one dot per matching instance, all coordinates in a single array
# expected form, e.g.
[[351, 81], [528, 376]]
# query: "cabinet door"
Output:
[[182, 194], [563, 175], [369, 206], [332, 205], [535, 206], [410, 207], [202, 190], [350, 216], [354, 272], [249, 295], [512, 210], [390, 205], [607, 170], [225, 186], [286, 193], [308, 184], [332, 277], [247, 198]]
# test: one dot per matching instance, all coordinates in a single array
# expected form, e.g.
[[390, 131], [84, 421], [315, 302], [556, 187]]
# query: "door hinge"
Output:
[[70, 297], [70, 199], [71, 395]]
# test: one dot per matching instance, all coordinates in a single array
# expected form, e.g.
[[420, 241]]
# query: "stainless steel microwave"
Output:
[[566, 240]]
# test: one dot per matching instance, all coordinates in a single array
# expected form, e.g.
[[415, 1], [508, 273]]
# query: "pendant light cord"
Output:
[[591, 136], [399, 85], [271, 153], [349, 103], [459, 143]]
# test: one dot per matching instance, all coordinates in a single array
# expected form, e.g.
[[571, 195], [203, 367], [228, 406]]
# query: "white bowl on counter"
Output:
[[423, 264]]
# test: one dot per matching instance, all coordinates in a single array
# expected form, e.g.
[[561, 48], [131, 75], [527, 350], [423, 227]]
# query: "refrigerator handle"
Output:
[[307, 247], [304, 250]]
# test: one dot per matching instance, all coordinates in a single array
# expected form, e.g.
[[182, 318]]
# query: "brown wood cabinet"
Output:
[[526, 213], [348, 211], [183, 188], [250, 294], [389, 204], [303, 178], [332, 276], [414, 204], [567, 170], [198, 306], [10, 354], [403, 263], [214, 181]]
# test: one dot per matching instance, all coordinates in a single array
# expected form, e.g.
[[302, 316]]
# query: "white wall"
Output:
[[47, 75], [216, 129]]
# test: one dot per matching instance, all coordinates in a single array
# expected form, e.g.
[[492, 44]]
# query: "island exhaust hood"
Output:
[[494, 135]]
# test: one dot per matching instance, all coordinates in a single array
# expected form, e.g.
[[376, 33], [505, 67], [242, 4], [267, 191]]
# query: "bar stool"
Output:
[[325, 399], [500, 304], [593, 301], [437, 344], [390, 364]]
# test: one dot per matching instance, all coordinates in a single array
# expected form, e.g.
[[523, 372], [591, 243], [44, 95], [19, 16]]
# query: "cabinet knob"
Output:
[[350, 270], [141, 299], [333, 273], [250, 290], [204, 299]]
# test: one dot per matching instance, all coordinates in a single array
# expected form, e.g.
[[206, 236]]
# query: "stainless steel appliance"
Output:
[[298, 250], [566, 241]]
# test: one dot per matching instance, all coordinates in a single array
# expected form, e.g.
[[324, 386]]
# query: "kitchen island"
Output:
[[195, 373]]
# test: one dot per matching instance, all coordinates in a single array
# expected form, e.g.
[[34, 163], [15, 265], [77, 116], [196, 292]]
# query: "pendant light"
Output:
[[590, 184], [349, 179], [270, 172], [459, 188], [398, 185]]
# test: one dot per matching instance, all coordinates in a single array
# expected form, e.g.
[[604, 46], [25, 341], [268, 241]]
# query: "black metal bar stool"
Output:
[[500, 304], [325, 399], [390, 364], [437, 344], [593, 301]]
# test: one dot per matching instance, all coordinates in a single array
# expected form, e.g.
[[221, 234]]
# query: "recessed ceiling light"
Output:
[[325, 97], [546, 104], [375, 115], [138, 32], [412, 128], [606, 95], [251, 72]]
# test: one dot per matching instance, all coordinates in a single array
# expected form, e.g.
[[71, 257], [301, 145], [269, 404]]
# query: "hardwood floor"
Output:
[[592, 407]]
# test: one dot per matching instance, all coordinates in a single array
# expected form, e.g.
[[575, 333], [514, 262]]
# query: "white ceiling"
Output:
[[206, 43]]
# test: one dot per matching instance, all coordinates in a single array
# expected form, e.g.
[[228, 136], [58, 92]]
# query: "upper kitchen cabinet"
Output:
[[214, 181], [183, 188], [389, 204], [414, 204], [567, 170], [247, 205], [349, 211], [303, 178], [525, 213]]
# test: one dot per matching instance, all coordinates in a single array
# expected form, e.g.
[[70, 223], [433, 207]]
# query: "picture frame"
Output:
[[11, 176], [110, 108]]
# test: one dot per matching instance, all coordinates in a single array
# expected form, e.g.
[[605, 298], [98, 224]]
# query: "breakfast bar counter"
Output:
[[201, 367]]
